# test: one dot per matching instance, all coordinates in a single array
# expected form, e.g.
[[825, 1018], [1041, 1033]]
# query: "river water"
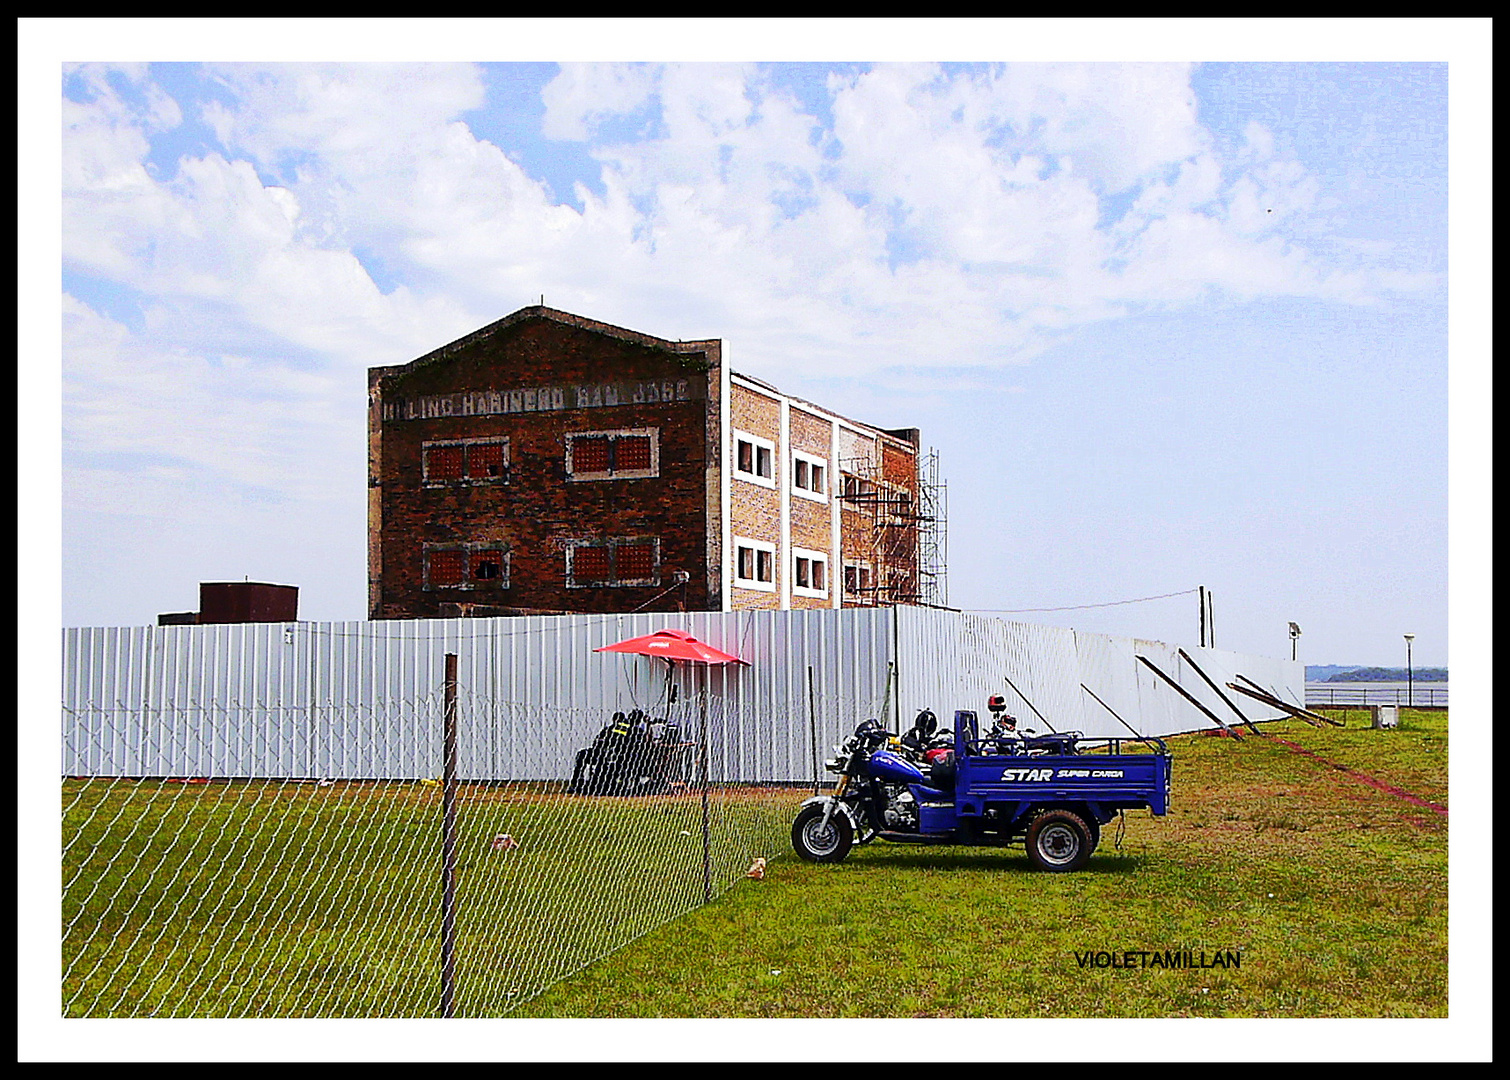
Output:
[[1376, 693]]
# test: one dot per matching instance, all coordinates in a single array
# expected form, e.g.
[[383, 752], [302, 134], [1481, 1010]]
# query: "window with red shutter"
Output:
[[485, 461], [590, 564], [443, 462], [466, 461], [466, 566], [613, 455], [590, 455], [445, 568], [631, 452], [634, 561]]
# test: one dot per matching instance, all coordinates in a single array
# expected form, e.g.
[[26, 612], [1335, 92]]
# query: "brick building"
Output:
[[551, 463]]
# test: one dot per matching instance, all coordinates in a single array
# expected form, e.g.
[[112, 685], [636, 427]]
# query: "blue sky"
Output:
[[1169, 324]]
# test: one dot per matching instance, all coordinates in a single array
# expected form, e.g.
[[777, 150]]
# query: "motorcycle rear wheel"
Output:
[[814, 843]]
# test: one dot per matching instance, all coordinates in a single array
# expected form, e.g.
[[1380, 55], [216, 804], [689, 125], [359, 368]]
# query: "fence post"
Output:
[[702, 707], [812, 724], [448, 848]]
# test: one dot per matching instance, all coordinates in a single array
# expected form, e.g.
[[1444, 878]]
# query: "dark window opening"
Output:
[[809, 574], [752, 458], [808, 476], [754, 564], [466, 566]]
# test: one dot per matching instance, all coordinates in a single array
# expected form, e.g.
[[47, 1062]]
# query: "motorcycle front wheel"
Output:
[[815, 843]]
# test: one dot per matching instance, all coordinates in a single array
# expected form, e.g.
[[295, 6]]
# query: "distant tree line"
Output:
[[1389, 674]]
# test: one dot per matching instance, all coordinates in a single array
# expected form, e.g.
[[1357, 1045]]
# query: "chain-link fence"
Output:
[[258, 820], [382, 884]]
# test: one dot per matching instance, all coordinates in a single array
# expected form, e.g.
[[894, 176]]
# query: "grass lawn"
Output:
[[276, 899], [1334, 892]]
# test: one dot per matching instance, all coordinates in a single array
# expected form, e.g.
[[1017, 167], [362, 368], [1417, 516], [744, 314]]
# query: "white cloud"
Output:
[[928, 219], [584, 94], [981, 193]]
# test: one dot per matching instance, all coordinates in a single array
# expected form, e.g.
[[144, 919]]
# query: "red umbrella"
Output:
[[673, 645]]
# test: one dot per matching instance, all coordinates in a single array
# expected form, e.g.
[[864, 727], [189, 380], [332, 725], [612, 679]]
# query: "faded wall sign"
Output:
[[544, 399]]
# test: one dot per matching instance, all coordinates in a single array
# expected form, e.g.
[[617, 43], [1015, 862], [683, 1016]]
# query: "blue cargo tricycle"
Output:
[[1047, 792]]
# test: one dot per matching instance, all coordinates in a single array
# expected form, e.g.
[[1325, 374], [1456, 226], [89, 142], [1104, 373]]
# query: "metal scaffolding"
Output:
[[902, 558]]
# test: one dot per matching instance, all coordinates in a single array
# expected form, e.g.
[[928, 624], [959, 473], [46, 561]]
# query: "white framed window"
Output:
[[809, 573], [624, 454], [809, 476], [454, 462], [466, 566], [857, 579], [613, 562], [754, 459], [754, 564]]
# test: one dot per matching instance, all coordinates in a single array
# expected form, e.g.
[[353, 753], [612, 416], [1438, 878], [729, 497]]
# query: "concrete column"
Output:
[[782, 467], [835, 489]]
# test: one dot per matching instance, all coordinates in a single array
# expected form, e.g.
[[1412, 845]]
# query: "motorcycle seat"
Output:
[[1061, 743]]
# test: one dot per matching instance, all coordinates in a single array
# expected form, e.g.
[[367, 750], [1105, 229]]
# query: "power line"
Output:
[[1081, 607]]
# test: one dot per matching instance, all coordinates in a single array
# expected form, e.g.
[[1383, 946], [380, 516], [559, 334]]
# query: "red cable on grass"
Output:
[[1369, 780]]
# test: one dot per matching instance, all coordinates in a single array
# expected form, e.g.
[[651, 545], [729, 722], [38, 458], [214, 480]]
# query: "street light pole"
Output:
[[1410, 674]]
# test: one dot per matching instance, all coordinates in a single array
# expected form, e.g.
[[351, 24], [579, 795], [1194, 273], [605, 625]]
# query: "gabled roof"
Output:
[[565, 318]]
